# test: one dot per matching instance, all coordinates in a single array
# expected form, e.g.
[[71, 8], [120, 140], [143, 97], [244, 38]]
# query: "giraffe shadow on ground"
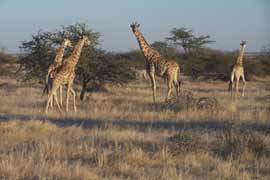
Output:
[[211, 125]]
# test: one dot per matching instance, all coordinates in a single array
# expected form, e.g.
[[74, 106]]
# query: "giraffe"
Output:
[[238, 72], [54, 67], [66, 75], [158, 65]]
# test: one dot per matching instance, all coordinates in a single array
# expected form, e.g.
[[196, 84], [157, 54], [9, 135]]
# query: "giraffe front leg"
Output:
[[152, 77], [51, 102], [49, 99], [56, 101], [244, 86], [237, 87], [74, 99], [231, 84], [61, 95]]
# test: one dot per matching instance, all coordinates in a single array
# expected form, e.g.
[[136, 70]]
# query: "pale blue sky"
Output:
[[226, 21]]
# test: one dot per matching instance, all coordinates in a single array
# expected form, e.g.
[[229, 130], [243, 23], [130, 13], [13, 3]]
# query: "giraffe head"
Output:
[[243, 44], [86, 40], [67, 43], [135, 26]]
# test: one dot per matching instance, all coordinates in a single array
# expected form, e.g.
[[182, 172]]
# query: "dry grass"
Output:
[[119, 134]]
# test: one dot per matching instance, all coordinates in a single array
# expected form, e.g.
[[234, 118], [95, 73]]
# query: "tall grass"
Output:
[[119, 134]]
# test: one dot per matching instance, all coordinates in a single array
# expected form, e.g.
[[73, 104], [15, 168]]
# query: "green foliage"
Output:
[[7, 64], [93, 65], [261, 64], [183, 37], [40, 51], [165, 50], [235, 143], [133, 58], [100, 69], [38, 54]]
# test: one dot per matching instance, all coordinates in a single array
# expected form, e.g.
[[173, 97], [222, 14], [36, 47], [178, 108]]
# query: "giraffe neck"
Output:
[[146, 49], [59, 56], [240, 57], [76, 52]]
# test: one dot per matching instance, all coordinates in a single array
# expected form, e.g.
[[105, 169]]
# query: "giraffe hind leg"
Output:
[[152, 77], [170, 82], [177, 88], [177, 85], [49, 99]]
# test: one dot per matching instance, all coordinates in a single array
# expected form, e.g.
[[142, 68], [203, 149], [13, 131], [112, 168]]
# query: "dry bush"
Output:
[[264, 98], [188, 101], [186, 142], [8, 87], [208, 103], [235, 143]]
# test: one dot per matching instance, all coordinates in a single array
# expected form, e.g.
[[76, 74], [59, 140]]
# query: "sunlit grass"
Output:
[[119, 134]]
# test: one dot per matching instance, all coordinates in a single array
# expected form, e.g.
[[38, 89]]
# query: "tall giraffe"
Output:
[[54, 67], [238, 71], [66, 75], [158, 65]]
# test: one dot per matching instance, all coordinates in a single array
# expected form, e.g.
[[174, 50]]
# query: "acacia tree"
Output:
[[100, 69], [39, 53], [164, 49], [184, 38]]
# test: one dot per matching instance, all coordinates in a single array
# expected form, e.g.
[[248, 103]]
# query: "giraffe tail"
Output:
[[230, 85], [46, 88]]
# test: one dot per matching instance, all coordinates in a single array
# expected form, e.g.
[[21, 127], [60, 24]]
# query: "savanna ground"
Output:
[[119, 134]]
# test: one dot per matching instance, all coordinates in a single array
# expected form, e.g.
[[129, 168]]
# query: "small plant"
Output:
[[186, 142], [236, 142], [188, 101]]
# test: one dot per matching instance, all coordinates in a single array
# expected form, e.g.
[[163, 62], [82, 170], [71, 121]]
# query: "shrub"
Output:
[[7, 64], [235, 142]]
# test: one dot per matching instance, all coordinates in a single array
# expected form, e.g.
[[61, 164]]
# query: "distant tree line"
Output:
[[8, 63], [96, 66]]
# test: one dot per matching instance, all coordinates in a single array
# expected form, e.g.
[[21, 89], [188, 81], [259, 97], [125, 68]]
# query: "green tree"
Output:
[[39, 53], [184, 38], [100, 69], [164, 49], [7, 63]]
